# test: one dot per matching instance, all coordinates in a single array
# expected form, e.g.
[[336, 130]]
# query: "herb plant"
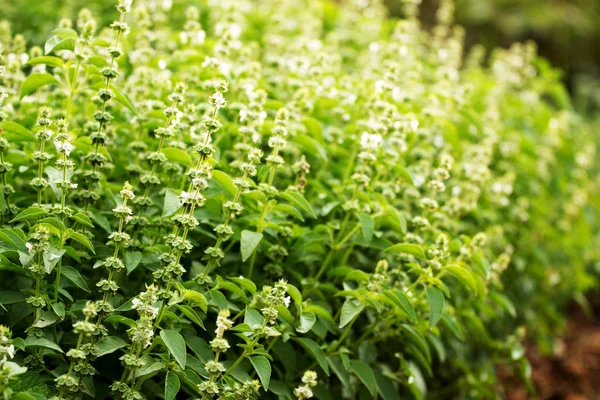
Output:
[[283, 199]]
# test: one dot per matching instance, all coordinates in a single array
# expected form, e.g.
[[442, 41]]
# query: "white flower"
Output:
[[64, 147], [370, 141], [29, 246], [218, 100], [286, 301]]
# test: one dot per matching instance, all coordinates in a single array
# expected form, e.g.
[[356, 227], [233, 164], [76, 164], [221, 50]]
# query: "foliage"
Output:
[[283, 200]]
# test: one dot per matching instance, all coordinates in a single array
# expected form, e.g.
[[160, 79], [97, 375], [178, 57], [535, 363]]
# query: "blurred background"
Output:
[[566, 31]]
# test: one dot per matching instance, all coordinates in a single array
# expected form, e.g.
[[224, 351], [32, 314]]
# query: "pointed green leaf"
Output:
[[171, 204], [249, 242], [176, 155], [365, 374], [307, 320], [401, 299], [225, 181], [109, 344], [46, 60], [29, 214], [262, 366], [78, 237], [409, 248], [197, 298], [313, 348], [36, 81], [34, 341], [83, 219], [132, 260], [436, 305], [463, 275], [172, 385], [350, 309], [74, 276], [176, 345], [299, 201], [367, 226]]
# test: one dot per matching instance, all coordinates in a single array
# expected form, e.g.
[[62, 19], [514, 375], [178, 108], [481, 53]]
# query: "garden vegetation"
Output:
[[283, 199]]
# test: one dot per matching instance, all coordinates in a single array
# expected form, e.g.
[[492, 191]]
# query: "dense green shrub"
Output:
[[283, 199]]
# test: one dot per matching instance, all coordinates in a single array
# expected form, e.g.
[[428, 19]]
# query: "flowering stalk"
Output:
[[41, 156], [277, 142], [141, 335], [5, 167], [103, 117], [67, 382], [224, 231], [190, 199], [166, 132], [270, 298], [369, 143], [63, 164]]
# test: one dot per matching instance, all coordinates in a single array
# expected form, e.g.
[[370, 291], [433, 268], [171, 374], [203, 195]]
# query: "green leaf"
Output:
[[253, 318], [401, 299], [51, 257], [120, 97], [36, 81], [119, 319], [172, 385], [319, 312], [365, 374], [29, 214], [200, 348], [245, 283], [132, 260], [307, 320], [46, 60], [65, 33], [102, 221], [34, 341], [7, 297], [403, 172], [219, 299], [171, 204], [56, 43], [78, 237], [436, 305], [191, 315], [289, 210], [225, 181], [197, 298], [313, 348], [16, 133], [109, 344], [46, 318], [176, 155], [176, 345], [294, 293], [418, 340], [350, 309], [463, 275], [299, 201], [386, 387], [83, 219], [74, 276], [504, 302], [409, 248], [248, 243], [23, 396], [367, 226], [11, 238], [263, 369]]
